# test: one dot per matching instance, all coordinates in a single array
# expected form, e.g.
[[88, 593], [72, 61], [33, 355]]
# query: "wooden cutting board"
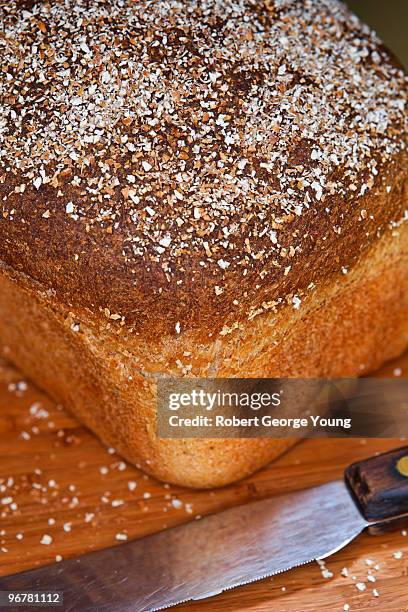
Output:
[[62, 494]]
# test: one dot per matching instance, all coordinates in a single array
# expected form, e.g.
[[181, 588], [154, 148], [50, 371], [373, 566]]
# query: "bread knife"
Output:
[[231, 548]]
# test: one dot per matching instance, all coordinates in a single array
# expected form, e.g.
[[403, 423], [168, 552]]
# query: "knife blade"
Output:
[[229, 549]]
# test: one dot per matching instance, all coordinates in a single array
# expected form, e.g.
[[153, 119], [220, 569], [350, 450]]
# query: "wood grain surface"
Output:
[[62, 493]]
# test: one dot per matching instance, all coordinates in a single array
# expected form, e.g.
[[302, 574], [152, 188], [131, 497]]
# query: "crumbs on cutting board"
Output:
[[63, 501], [365, 575], [360, 581]]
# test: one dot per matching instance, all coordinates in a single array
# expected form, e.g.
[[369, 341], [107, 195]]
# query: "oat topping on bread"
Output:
[[158, 154]]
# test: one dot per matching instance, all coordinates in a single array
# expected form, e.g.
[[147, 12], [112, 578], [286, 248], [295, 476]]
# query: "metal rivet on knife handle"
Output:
[[380, 485], [402, 466]]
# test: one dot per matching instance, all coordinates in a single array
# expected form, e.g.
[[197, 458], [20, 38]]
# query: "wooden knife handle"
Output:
[[380, 485]]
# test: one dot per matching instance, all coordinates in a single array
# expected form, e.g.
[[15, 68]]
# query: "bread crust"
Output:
[[347, 328], [197, 189], [321, 182]]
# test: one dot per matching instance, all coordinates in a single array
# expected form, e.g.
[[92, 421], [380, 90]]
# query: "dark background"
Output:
[[389, 18]]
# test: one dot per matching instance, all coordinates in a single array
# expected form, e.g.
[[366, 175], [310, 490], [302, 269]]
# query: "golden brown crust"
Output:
[[197, 189], [346, 328], [164, 159]]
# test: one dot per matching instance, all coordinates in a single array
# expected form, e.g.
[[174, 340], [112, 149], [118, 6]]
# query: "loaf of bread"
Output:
[[213, 188]]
